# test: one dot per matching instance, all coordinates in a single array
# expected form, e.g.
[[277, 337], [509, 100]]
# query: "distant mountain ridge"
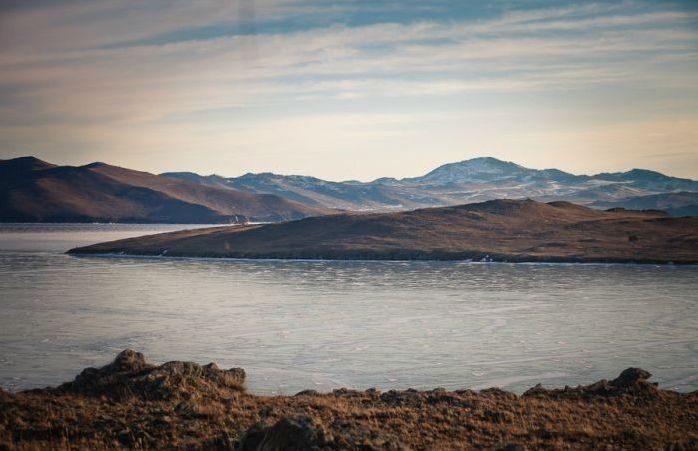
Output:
[[474, 180], [32, 190]]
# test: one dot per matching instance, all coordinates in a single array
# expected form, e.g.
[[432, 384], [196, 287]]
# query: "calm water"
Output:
[[324, 325]]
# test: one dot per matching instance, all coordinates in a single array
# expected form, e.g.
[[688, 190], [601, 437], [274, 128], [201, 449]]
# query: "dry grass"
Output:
[[213, 414], [502, 230]]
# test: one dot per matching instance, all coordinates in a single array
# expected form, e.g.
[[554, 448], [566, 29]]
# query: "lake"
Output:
[[322, 325]]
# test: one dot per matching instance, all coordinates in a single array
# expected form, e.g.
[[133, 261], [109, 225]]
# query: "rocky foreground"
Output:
[[133, 404]]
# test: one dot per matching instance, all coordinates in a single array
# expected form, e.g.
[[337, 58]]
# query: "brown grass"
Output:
[[213, 414], [501, 230], [35, 191]]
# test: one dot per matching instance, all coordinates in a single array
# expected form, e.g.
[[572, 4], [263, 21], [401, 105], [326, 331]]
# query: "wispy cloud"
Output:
[[72, 71]]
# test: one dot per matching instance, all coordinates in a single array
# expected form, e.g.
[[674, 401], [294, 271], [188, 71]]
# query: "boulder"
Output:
[[631, 380], [130, 375], [307, 393], [289, 433]]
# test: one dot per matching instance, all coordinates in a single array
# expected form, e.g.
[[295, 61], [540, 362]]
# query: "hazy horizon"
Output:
[[356, 90]]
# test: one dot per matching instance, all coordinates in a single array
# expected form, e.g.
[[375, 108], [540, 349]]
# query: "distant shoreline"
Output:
[[570, 262]]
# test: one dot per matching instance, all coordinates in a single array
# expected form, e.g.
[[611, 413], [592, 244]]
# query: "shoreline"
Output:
[[510, 261], [131, 403]]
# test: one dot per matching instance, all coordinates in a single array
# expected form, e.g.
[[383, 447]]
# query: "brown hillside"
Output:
[[502, 230], [35, 191], [224, 201]]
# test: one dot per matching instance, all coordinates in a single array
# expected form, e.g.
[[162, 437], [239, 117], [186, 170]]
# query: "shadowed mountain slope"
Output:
[[676, 204], [35, 191], [501, 230]]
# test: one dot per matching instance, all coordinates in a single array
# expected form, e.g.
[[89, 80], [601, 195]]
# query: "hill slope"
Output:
[[32, 190], [502, 230]]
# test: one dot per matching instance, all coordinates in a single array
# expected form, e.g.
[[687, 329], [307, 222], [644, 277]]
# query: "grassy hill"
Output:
[[32, 190], [501, 230]]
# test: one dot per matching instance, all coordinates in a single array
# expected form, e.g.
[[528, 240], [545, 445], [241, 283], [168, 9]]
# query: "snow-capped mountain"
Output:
[[473, 180]]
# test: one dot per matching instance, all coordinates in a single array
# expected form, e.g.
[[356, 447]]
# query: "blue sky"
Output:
[[350, 90]]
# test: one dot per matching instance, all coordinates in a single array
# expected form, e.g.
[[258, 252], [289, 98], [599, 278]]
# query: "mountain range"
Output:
[[474, 180], [32, 190]]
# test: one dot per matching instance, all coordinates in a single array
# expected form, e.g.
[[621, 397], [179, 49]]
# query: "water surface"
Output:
[[324, 325]]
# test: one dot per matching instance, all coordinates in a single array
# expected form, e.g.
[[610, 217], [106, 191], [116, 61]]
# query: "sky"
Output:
[[350, 89]]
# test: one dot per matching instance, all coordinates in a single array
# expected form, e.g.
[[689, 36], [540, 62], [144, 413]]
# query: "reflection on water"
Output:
[[323, 325]]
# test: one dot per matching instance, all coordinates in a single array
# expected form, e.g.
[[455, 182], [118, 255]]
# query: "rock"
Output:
[[538, 389], [220, 442], [346, 393], [402, 398], [128, 360], [130, 375], [599, 387], [631, 377], [498, 393], [631, 380], [289, 433], [307, 393]]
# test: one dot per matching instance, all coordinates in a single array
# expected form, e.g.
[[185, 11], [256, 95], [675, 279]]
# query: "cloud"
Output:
[[77, 71]]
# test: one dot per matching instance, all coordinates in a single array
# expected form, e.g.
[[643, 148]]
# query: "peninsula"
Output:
[[498, 230]]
